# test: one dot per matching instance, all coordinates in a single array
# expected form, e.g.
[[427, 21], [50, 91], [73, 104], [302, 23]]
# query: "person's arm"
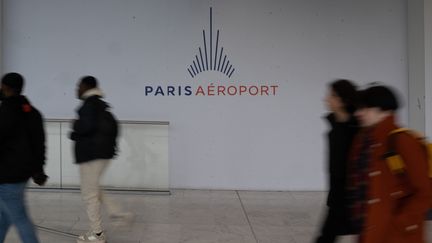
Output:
[[36, 131], [87, 122], [412, 209], [38, 141]]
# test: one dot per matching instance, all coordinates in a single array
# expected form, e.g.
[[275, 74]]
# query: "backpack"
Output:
[[396, 163], [394, 160], [108, 124], [108, 128]]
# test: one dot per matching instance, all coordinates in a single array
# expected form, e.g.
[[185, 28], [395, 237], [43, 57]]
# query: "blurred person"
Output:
[[387, 207], [22, 156], [95, 134], [343, 127]]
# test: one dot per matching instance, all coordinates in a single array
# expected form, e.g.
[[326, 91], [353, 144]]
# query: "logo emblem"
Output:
[[210, 57]]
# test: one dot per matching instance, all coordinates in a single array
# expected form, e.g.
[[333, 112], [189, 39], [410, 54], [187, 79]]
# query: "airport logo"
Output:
[[211, 56]]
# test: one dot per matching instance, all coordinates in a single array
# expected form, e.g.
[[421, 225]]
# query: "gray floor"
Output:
[[198, 216]]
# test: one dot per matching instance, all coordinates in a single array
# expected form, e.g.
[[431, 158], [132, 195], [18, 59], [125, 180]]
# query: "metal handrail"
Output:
[[164, 123]]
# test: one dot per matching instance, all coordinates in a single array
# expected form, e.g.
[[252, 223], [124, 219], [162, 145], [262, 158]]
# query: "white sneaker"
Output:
[[91, 237]]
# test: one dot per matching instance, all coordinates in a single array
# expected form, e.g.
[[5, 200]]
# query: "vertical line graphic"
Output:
[[196, 69], [229, 70], [220, 59], [196, 57], [226, 67], [212, 55], [190, 73], [205, 49], [229, 76], [223, 63], [211, 38], [202, 60], [217, 45], [192, 70]]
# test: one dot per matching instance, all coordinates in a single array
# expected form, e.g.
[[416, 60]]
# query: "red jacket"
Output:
[[396, 206]]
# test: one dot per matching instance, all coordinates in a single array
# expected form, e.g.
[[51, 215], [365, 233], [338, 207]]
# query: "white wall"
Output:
[[246, 142], [427, 13], [416, 64], [420, 65]]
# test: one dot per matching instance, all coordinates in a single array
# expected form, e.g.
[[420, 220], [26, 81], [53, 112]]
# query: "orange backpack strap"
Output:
[[393, 159], [399, 130], [395, 162]]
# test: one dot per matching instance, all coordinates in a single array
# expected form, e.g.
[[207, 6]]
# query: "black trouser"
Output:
[[335, 224]]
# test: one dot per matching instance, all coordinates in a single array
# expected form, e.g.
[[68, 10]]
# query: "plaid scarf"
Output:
[[359, 183]]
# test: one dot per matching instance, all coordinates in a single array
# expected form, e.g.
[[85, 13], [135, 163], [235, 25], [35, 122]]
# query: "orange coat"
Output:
[[393, 215]]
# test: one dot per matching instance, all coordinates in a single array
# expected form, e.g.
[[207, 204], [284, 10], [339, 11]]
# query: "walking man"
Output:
[[95, 135], [22, 156]]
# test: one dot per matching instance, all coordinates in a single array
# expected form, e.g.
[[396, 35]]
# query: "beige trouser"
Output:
[[90, 174]]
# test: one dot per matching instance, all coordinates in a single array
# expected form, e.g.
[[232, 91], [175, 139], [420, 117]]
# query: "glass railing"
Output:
[[142, 162]]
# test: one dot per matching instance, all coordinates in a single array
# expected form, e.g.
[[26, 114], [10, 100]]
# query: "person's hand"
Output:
[[72, 136], [40, 178]]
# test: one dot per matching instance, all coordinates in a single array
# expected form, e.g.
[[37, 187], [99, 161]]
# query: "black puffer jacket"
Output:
[[22, 140], [340, 138], [90, 142]]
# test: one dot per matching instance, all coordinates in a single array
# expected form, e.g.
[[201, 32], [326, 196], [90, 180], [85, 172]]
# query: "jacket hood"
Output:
[[92, 92]]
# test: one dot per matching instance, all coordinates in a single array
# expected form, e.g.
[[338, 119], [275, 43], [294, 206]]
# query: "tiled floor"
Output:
[[195, 216]]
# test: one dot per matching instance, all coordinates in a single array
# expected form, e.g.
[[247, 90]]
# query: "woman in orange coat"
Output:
[[387, 206]]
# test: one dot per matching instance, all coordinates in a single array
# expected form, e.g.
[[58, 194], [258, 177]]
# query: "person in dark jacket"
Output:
[[95, 146], [340, 101], [22, 156]]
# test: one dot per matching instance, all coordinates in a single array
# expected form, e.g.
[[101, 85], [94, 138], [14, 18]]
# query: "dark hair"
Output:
[[346, 90], [89, 81], [14, 81], [378, 96]]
